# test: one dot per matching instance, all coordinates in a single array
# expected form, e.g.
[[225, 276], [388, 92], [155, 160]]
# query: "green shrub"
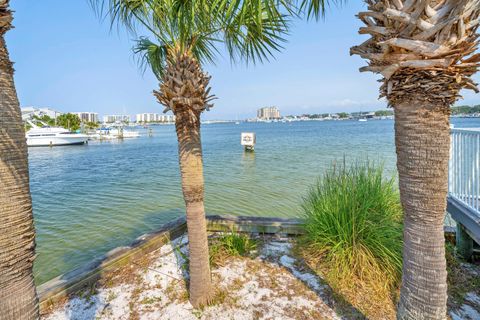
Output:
[[231, 244], [353, 230]]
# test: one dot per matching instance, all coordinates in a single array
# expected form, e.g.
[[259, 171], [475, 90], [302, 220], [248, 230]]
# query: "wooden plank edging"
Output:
[[76, 279], [260, 225], [62, 286]]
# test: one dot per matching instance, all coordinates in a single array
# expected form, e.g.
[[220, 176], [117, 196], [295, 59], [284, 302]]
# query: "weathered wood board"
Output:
[[85, 276], [77, 279]]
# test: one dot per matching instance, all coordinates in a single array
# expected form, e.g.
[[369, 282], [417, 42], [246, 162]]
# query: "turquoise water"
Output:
[[90, 199]]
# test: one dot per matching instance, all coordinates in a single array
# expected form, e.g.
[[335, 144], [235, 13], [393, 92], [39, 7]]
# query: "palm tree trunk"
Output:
[[184, 90], [18, 298], [187, 124], [422, 138]]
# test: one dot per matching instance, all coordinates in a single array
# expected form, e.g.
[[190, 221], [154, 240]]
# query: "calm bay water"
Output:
[[90, 199]]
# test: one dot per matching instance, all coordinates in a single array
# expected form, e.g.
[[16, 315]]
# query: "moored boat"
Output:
[[53, 136], [115, 133]]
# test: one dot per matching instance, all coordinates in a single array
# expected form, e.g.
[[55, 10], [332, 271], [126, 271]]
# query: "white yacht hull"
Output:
[[116, 134], [65, 140], [131, 134]]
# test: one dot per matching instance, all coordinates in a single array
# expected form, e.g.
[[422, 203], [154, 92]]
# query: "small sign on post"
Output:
[[248, 141]]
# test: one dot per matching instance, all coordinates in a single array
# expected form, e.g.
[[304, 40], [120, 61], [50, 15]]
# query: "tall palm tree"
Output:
[[187, 34], [18, 298], [425, 51]]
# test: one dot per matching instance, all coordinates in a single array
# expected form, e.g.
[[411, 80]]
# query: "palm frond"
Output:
[[205, 48], [153, 55], [126, 13], [254, 30], [316, 8], [251, 30]]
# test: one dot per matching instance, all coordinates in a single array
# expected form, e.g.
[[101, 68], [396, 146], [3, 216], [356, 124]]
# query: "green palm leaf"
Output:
[[251, 30], [151, 54]]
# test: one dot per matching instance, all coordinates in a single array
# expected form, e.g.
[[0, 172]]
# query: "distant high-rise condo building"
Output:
[[87, 116], [154, 117], [115, 118], [269, 113]]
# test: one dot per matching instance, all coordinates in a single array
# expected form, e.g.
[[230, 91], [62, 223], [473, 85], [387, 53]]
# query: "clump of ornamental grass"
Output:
[[353, 236], [232, 244]]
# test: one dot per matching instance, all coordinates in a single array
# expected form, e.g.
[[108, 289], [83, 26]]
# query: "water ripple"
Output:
[[90, 199]]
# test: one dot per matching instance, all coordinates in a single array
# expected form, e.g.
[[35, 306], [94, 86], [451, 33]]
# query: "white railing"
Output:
[[464, 168]]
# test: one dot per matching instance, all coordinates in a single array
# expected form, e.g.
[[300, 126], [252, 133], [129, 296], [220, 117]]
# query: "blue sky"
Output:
[[65, 58]]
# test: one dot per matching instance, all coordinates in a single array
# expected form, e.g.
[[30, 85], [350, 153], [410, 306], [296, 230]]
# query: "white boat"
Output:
[[115, 133], [131, 134], [362, 120], [53, 136], [122, 133]]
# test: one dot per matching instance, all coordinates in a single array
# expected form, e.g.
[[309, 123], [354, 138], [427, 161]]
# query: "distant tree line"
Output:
[[68, 121], [465, 110], [342, 115], [45, 120], [383, 113]]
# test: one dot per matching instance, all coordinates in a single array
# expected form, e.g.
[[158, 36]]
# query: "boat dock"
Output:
[[463, 202]]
